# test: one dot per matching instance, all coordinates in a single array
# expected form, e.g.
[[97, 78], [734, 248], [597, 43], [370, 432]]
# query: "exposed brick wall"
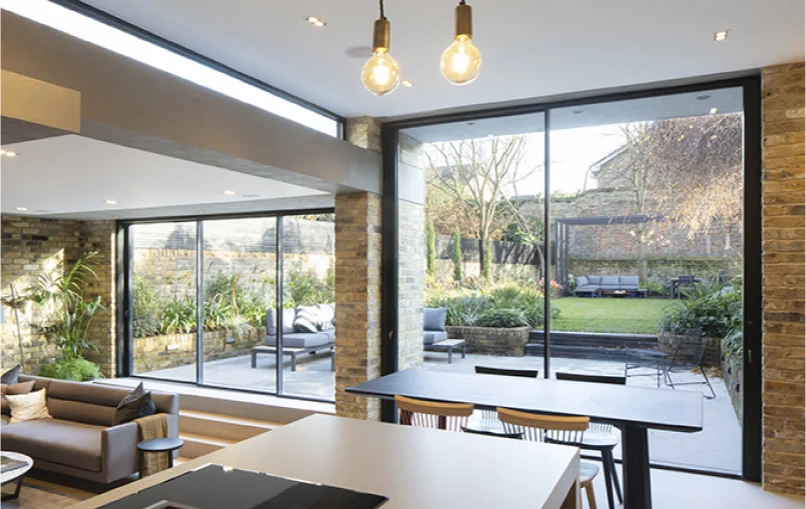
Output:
[[784, 465], [31, 246], [358, 300], [364, 132]]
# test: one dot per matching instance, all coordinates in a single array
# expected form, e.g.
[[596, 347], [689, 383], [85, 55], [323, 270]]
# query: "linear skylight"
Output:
[[113, 39]]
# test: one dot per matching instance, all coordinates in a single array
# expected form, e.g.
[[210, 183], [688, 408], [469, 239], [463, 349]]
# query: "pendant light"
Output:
[[461, 62], [381, 73]]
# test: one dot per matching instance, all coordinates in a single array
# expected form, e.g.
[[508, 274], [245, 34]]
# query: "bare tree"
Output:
[[479, 173]]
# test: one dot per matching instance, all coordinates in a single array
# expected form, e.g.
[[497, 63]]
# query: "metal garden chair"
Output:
[[688, 356]]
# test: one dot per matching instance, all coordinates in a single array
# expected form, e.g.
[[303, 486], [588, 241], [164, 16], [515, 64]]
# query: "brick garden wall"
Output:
[[784, 464], [31, 246]]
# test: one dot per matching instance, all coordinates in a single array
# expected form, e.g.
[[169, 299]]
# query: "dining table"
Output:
[[409, 467], [634, 410]]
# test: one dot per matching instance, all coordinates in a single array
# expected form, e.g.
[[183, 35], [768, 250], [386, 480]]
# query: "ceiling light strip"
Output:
[[122, 43]]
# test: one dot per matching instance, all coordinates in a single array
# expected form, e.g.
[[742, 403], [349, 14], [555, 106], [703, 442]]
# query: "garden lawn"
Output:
[[584, 314]]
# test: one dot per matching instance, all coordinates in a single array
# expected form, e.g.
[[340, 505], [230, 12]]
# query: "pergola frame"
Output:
[[561, 236]]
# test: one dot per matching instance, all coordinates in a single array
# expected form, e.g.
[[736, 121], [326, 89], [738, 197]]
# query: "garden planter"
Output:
[[733, 376], [491, 341]]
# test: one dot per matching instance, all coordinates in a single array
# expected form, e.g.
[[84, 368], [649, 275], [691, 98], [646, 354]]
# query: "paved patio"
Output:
[[718, 447]]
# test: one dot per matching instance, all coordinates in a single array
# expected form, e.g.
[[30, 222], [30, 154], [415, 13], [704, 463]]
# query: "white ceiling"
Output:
[[73, 176], [530, 49]]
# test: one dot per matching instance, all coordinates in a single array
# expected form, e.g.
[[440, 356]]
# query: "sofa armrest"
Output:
[[119, 451]]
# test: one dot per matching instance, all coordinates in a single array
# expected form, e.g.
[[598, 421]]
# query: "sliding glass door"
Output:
[[204, 297], [614, 230]]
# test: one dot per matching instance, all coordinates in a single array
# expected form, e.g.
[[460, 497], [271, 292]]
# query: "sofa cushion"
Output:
[[14, 390], [628, 282], [327, 312], [434, 319], [134, 406], [303, 339], [64, 442], [29, 407], [288, 321], [306, 319], [595, 280], [609, 283], [587, 288], [431, 337], [11, 376], [581, 281]]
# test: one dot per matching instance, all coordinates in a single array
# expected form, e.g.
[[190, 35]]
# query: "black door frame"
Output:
[[751, 90], [125, 277]]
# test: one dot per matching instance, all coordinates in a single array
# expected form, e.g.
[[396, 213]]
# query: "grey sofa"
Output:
[[434, 325], [291, 338], [80, 440], [597, 286]]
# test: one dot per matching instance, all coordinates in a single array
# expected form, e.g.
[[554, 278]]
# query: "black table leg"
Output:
[[637, 489], [16, 494]]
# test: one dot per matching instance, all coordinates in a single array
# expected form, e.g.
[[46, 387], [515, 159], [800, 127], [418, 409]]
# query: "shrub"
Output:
[[717, 311], [304, 288], [465, 307], [76, 369], [147, 309], [502, 319], [431, 247], [655, 288], [456, 256], [179, 315]]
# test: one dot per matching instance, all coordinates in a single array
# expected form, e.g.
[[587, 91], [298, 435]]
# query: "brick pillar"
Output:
[[358, 300], [100, 236], [783, 277]]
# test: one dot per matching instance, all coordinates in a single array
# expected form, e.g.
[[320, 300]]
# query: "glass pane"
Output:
[[239, 287], [482, 184], [164, 300], [647, 248], [309, 299]]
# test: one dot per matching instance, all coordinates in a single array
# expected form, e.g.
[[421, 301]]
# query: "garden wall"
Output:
[[173, 350], [510, 260], [660, 269], [489, 341], [733, 376]]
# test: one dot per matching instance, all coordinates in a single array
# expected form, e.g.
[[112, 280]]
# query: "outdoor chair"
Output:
[[430, 414], [688, 356], [602, 437], [643, 359], [490, 415], [684, 282], [553, 429]]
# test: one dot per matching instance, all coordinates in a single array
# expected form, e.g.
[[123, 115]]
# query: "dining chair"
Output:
[[553, 429], [430, 414], [514, 436], [490, 415], [600, 436]]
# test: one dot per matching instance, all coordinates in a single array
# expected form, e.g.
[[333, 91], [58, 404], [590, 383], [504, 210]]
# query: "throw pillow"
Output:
[[135, 405], [14, 390], [28, 407], [327, 316], [434, 318], [11, 376], [306, 320]]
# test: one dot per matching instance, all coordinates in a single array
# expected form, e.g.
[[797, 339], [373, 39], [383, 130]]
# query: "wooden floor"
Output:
[[671, 490]]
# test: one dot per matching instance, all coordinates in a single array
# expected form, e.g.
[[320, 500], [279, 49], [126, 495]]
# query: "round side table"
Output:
[[17, 474], [167, 445]]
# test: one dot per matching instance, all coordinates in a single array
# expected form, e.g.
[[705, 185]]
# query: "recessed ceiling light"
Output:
[[578, 112], [407, 83], [313, 20], [22, 209], [713, 111], [111, 202], [721, 35], [229, 193], [703, 97], [7, 153]]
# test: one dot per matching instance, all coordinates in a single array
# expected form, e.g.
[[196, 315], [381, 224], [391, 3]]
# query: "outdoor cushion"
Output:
[[307, 319], [609, 281], [581, 281], [67, 443], [434, 319], [628, 282], [431, 337], [595, 280], [587, 288], [288, 321], [303, 339], [327, 312]]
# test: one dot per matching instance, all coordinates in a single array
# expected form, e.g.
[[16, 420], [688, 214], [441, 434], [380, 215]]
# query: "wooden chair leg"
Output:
[[591, 495]]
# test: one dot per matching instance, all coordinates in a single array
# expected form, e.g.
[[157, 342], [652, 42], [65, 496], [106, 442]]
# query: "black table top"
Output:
[[673, 410], [160, 444]]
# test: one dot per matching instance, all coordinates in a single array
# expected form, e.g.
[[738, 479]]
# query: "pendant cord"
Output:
[[381, 6], [462, 2]]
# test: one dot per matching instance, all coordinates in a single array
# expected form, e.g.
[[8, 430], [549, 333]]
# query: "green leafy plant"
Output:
[[76, 369], [456, 256], [502, 319], [179, 316], [462, 309], [655, 288], [147, 309], [304, 288], [68, 314], [717, 312], [431, 247]]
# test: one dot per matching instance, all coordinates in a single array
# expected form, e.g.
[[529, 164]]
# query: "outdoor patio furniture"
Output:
[[600, 436], [646, 359], [430, 414], [434, 325], [676, 284], [553, 429], [293, 353], [598, 286], [687, 357], [448, 345]]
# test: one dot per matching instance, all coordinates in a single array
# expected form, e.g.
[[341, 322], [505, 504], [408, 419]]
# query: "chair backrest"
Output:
[[686, 279], [599, 379], [544, 428], [514, 436], [525, 373], [430, 414], [690, 348]]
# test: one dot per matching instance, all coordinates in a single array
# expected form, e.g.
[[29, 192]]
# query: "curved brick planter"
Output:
[[490, 341]]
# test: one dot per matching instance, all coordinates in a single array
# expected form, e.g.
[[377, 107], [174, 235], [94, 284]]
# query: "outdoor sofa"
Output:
[[435, 337], [597, 286], [295, 342], [81, 440]]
